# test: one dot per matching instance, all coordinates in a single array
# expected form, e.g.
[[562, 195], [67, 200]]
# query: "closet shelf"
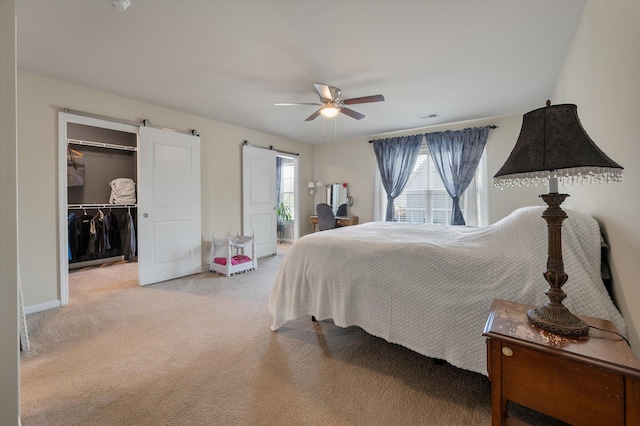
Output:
[[101, 145], [100, 206]]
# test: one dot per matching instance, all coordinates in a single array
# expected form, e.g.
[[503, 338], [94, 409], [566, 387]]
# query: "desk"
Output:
[[340, 221], [592, 380]]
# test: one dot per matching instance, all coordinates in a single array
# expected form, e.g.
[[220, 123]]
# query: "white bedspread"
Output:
[[430, 288]]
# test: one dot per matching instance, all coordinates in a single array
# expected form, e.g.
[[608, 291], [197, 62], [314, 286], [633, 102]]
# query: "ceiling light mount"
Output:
[[120, 5]]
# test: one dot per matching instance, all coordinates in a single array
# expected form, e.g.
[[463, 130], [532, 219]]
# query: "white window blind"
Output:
[[425, 200]]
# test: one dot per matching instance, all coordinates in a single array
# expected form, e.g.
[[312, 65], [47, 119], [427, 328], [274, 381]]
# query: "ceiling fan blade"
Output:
[[296, 103], [324, 91], [313, 116], [352, 113], [363, 100]]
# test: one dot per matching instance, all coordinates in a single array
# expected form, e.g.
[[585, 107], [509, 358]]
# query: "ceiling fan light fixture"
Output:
[[329, 111], [331, 104]]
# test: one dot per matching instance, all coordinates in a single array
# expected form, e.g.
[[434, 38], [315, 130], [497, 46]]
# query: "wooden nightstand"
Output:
[[589, 381]]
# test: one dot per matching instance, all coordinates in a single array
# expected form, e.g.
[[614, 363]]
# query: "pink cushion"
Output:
[[240, 258]]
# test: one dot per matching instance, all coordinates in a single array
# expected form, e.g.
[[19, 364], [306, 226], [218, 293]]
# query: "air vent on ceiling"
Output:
[[429, 116]]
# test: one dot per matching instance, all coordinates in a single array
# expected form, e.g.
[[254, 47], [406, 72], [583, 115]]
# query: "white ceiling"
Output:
[[232, 60]]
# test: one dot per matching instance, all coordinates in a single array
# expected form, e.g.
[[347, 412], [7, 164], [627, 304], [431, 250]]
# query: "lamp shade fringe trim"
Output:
[[575, 175]]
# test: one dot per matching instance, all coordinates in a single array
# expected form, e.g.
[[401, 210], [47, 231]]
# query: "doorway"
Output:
[[287, 200], [260, 181], [96, 147]]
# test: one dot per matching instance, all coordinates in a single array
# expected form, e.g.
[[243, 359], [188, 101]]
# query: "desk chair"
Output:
[[326, 218]]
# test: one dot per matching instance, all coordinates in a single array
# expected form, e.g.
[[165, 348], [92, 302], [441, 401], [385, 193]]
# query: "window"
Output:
[[425, 200], [287, 185]]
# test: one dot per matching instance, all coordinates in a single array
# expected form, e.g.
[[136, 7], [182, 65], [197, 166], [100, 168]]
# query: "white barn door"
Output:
[[259, 198], [169, 227]]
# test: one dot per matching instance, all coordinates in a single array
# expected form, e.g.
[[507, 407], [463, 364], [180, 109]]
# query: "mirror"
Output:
[[337, 198]]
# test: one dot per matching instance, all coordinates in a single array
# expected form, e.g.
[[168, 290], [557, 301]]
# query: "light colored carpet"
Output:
[[198, 351]]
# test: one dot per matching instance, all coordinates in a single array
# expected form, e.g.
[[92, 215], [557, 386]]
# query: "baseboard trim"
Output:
[[41, 307]]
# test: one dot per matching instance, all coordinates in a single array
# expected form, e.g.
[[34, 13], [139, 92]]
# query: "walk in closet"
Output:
[[101, 216], [158, 228]]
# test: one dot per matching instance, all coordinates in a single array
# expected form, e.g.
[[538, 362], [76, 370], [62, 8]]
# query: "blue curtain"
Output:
[[278, 178], [396, 159], [456, 155]]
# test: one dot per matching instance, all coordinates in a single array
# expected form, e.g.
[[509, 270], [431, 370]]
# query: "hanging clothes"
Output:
[[93, 237], [78, 228], [85, 223], [73, 226], [113, 233], [101, 244], [130, 239], [106, 229], [100, 235]]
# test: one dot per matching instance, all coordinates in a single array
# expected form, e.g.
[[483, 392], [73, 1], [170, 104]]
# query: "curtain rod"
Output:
[[144, 123], [466, 128], [246, 142]]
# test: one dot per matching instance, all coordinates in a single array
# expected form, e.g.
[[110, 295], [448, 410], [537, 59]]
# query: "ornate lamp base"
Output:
[[558, 320], [553, 316]]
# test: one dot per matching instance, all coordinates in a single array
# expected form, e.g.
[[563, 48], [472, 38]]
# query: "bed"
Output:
[[430, 288]]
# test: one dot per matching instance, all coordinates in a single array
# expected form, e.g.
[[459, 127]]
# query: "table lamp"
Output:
[[553, 146]]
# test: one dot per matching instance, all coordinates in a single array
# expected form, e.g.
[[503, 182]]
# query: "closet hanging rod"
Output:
[[144, 122], [100, 206], [101, 145]]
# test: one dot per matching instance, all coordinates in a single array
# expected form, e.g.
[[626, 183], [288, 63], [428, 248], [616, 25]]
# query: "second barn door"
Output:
[[259, 198]]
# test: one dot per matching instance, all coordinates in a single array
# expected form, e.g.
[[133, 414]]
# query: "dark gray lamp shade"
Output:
[[552, 143]]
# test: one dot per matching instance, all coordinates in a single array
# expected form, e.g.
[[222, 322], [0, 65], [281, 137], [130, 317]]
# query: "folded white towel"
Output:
[[123, 191]]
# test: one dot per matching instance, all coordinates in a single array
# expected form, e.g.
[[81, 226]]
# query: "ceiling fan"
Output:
[[331, 104]]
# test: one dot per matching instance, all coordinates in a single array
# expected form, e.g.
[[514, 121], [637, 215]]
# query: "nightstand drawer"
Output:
[[585, 394]]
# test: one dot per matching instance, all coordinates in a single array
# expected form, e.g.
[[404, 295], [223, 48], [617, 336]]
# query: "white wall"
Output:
[[601, 75], [350, 162], [354, 162], [9, 356], [40, 99]]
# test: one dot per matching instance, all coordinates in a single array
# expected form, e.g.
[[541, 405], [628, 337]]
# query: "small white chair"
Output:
[[233, 264]]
